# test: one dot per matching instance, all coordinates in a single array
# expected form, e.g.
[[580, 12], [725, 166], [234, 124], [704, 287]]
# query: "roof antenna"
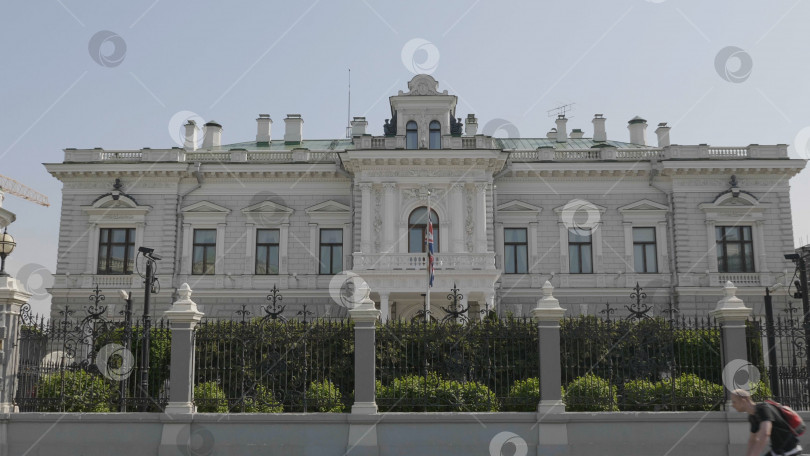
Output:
[[561, 110], [349, 110]]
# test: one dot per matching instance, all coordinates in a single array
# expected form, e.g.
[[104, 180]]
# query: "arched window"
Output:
[[411, 135], [417, 229], [435, 135]]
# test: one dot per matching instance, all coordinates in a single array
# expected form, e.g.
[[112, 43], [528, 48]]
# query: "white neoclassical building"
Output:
[[593, 215]]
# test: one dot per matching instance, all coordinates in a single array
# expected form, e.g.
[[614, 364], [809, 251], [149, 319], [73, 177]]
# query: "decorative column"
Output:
[[385, 308], [365, 315], [711, 242], [366, 208], [390, 218], [481, 217], [12, 297], [731, 313], [548, 314], [457, 223], [183, 317]]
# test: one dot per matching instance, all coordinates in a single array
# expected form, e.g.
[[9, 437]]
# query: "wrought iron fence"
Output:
[[91, 364], [780, 358], [641, 363], [273, 365], [453, 366]]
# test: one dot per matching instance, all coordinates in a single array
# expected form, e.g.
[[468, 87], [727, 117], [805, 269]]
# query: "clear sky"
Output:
[[114, 74]]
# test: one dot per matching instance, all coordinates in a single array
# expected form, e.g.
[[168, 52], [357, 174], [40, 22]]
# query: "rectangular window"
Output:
[[644, 254], [515, 251], [331, 251], [735, 249], [267, 251], [116, 250], [579, 251], [204, 255]]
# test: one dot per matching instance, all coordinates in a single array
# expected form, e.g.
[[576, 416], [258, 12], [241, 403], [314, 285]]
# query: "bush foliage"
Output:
[[75, 391]]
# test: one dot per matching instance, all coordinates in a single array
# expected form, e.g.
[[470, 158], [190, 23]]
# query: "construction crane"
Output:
[[12, 187]]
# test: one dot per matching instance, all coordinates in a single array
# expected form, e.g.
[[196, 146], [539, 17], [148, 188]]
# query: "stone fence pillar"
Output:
[[365, 316], [548, 314], [731, 313], [183, 317], [12, 297]]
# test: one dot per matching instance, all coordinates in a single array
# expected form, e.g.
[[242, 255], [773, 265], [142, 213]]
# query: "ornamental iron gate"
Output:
[[85, 362]]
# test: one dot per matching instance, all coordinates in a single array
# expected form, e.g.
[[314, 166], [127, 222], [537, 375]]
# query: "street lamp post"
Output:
[[149, 282], [7, 245], [127, 296]]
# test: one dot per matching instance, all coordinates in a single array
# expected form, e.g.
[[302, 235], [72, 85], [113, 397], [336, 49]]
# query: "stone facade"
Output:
[[479, 186]]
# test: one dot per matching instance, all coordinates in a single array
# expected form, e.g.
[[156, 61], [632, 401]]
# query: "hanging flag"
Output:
[[430, 248]]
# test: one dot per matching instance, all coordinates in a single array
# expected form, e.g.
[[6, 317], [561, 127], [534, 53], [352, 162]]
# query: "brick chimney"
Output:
[[599, 133], [264, 125], [638, 130], [663, 134], [359, 125], [293, 129], [190, 142], [212, 135], [562, 132], [576, 133]]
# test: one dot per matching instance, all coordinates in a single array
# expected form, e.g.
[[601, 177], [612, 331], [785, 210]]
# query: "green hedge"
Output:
[[75, 391], [209, 398], [431, 393], [590, 393], [326, 397]]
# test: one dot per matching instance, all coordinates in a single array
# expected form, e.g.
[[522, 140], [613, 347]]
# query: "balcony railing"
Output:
[[417, 261], [544, 153]]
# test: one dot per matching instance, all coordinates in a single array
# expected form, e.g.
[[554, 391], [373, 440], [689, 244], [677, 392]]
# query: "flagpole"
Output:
[[427, 262]]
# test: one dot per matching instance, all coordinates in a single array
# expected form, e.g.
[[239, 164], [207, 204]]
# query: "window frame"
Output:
[[411, 135], [268, 246], [438, 131], [645, 245], [578, 245], [332, 246], [722, 246], [515, 245], [129, 240], [205, 246], [423, 230]]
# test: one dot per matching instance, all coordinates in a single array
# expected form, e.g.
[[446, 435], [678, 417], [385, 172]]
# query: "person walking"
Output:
[[766, 423]]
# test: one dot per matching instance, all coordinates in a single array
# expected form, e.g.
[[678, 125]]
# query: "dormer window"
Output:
[[435, 135], [411, 135]]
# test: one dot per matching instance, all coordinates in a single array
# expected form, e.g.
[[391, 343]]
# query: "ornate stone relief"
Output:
[[377, 217], [469, 224]]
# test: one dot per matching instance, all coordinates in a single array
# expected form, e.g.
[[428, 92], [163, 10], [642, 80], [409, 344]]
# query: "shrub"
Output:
[[326, 397], [210, 398], [416, 393], [262, 401], [760, 391], [640, 395], [691, 393], [524, 396], [590, 394], [75, 391]]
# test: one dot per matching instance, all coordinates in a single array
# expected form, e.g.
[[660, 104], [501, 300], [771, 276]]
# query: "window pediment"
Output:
[[268, 212], [205, 212], [518, 211], [329, 211], [116, 209], [644, 210], [730, 208]]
